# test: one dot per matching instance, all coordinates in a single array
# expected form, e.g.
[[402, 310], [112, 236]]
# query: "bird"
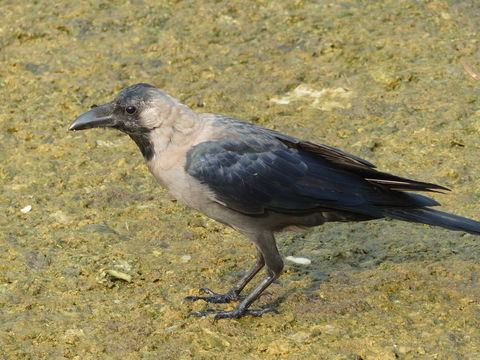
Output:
[[258, 181]]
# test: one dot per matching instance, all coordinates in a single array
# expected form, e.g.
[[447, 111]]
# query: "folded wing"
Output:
[[271, 171]]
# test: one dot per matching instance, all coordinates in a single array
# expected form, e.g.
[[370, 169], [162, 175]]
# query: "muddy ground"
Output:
[[381, 79]]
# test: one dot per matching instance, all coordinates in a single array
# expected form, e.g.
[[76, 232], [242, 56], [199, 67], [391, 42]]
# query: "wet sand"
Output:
[[382, 80]]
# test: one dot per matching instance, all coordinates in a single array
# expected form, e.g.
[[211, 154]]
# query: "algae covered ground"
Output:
[[98, 261]]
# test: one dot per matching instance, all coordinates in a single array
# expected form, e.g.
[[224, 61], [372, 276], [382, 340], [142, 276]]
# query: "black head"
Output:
[[128, 112], [136, 110]]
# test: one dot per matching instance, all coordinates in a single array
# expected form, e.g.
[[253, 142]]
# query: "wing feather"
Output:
[[261, 172]]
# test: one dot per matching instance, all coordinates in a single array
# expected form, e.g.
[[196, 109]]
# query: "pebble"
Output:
[[26, 209], [299, 260], [119, 275]]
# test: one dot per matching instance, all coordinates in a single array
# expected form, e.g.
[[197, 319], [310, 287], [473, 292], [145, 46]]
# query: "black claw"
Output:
[[214, 297], [200, 313], [207, 291], [237, 313], [232, 314], [191, 298]]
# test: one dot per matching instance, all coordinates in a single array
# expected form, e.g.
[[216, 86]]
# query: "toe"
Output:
[[208, 291]]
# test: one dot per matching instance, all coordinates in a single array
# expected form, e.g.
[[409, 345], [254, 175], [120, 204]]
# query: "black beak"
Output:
[[101, 116]]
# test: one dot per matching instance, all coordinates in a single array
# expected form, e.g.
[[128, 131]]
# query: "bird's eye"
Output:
[[130, 110]]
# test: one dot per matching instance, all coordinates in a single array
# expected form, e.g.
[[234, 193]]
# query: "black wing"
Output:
[[355, 164], [260, 172]]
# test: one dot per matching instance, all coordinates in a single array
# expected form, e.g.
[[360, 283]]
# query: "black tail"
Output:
[[435, 218]]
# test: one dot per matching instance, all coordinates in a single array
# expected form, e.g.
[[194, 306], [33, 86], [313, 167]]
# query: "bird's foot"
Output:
[[233, 314], [215, 298]]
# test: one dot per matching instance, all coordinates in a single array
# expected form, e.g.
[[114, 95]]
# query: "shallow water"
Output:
[[382, 80]]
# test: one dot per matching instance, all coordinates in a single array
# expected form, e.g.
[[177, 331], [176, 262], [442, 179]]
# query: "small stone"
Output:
[[26, 209], [299, 260], [185, 258], [119, 275]]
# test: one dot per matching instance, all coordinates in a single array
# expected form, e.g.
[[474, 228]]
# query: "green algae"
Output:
[[377, 290]]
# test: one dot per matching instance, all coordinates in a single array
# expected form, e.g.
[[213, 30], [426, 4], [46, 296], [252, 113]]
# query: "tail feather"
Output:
[[435, 218]]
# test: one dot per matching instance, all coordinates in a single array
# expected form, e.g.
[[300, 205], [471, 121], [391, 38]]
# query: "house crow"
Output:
[[258, 181]]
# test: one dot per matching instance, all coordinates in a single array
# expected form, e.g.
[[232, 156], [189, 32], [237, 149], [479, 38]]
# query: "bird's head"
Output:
[[136, 110]]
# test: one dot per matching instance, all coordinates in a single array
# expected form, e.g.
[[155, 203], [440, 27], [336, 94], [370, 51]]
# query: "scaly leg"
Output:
[[266, 245], [234, 293]]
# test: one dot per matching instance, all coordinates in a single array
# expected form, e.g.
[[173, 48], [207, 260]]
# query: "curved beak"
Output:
[[101, 116]]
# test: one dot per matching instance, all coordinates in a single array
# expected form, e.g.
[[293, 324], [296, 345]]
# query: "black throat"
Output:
[[144, 144]]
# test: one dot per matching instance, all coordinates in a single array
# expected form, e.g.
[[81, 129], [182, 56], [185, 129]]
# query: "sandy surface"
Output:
[[383, 80]]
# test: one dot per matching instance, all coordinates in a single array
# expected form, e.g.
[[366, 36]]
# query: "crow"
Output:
[[259, 181]]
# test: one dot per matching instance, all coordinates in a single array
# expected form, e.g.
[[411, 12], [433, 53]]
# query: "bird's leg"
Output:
[[242, 308], [234, 293], [267, 247]]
